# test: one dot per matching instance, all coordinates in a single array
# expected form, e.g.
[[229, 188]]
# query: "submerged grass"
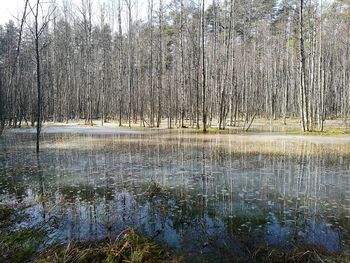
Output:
[[20, 246], [127, 247], [5, 213], [290, 141], [17, 245], [7, 218]]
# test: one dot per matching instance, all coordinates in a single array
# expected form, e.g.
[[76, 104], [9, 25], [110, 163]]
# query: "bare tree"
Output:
[[199, 63], [204, 70], [37, 32]]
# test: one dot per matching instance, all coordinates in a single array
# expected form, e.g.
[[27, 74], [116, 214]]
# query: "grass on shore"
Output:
[[297, 255], [131, 247], [127, 247], [328, 132]]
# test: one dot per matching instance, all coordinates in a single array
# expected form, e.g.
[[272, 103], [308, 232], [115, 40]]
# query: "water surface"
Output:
[[198, 194]]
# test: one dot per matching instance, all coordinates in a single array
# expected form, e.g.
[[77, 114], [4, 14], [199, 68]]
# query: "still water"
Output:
[[196, 194]]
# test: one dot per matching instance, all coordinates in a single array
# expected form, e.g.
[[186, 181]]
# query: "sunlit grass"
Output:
[[328, 132], [293, 144], [127, 247]]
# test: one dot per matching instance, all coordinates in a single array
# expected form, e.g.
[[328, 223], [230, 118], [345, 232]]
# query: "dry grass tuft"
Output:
[[127, 247]]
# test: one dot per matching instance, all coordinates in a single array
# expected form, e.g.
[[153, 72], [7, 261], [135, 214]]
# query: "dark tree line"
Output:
[[193, 63]]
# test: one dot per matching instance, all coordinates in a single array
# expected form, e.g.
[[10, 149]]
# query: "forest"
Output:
[[175, 131], [193, 63]]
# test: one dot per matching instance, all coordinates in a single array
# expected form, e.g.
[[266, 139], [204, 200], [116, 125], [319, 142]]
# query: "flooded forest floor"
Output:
[[115, 194]]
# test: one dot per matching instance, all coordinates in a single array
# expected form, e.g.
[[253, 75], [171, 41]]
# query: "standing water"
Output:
[[209, 195]]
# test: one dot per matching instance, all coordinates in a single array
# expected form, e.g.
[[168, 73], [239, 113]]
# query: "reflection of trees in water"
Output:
[[207, 193]]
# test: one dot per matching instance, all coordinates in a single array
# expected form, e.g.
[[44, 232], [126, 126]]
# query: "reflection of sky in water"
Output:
[[320, 234], [205, 197]]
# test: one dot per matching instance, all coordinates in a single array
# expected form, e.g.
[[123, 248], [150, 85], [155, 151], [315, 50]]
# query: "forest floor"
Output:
[[292, 126]]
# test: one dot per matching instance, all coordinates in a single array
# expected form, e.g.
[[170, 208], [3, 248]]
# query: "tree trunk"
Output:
[[203, 70]]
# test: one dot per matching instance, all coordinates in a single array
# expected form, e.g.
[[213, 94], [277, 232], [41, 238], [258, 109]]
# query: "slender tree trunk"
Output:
[[160, 73], [203, 70], [198, 58], [150, 63], [38, 77], [303, 97], [130, 43], [320, 74], [120, 65], [182, 73]]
